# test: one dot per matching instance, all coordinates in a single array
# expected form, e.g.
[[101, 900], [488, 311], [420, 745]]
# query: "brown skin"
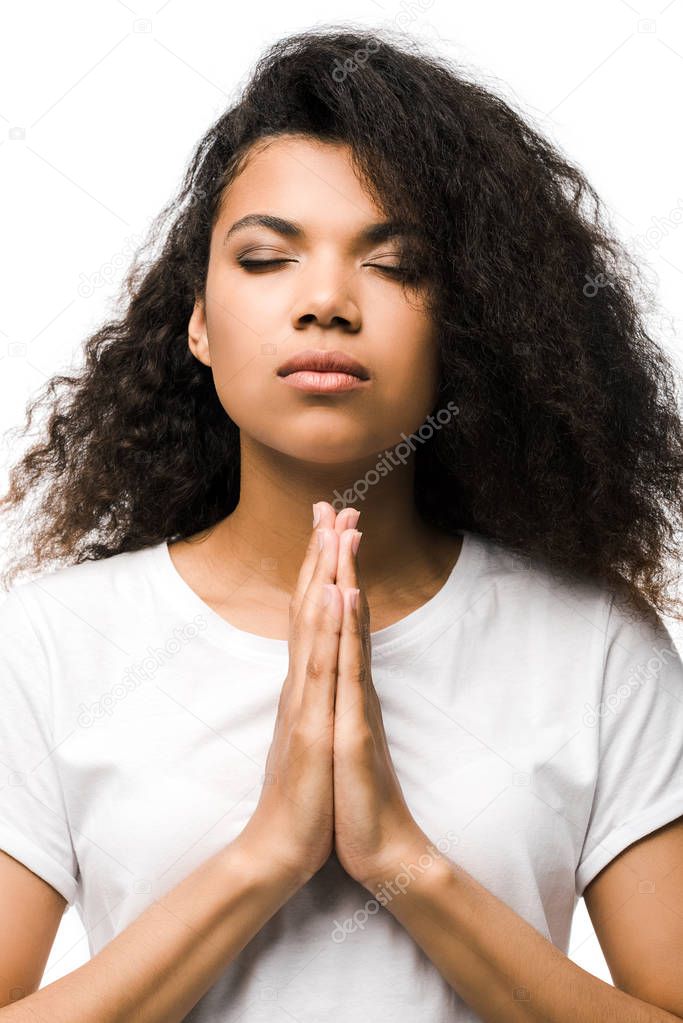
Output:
[[299, 448]]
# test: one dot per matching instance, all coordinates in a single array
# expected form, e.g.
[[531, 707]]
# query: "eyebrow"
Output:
[[372, 234]]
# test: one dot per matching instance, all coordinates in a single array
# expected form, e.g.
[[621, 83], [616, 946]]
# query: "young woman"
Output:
[[268, 801]]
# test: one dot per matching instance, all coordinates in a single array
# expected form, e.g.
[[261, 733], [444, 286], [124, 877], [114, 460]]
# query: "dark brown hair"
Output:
[[567, 445]]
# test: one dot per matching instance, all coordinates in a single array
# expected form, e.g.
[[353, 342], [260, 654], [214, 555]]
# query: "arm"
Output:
[[159, 967], [491, 956], [495, 960]]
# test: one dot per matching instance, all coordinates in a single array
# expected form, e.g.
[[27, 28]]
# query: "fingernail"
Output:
[[353, 599], [321, 538], [353, 517], [355, 543], [316, 514]]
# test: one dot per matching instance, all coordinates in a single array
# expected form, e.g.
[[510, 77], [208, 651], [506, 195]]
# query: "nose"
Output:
[[329, 303]]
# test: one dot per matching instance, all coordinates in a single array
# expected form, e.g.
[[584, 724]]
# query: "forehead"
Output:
[[306, 180]]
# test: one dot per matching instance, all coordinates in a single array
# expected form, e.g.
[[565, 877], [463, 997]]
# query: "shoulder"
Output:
[[621, 639], [526, 587], [83, 592]]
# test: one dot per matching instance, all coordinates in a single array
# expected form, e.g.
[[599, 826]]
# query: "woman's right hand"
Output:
[[293, 823]]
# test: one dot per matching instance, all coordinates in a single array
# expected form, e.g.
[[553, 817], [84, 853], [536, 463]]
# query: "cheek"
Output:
[[410, 365], [237, 325], [236, 353]]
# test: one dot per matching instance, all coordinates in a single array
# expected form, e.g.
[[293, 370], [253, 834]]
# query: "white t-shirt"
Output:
[[535, 727]]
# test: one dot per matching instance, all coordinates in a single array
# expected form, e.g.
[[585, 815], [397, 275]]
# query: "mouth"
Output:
[[319, 383], [326, 363]]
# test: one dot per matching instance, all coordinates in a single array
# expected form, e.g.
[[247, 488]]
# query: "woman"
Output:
[[264, 801]]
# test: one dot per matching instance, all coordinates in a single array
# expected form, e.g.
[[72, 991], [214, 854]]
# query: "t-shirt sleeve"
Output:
[[33, 823], [639, 719]]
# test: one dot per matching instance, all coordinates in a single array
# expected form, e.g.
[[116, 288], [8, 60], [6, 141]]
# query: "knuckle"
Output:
[[301, 737], [316, 668], [298, 733], [362, 742]]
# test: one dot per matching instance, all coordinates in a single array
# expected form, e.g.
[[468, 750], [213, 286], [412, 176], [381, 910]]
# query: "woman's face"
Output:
[[328, 293]]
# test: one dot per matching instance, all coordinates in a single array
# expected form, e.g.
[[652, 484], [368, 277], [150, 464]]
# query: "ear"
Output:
[[196, 333]]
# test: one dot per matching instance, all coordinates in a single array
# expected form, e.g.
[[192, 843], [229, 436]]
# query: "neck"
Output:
[[273, 520]]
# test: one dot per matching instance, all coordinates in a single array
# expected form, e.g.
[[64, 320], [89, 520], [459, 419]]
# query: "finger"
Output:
[[352, 672], [349, 577], [326, 515], [347, 564], [318, 629], [321, 666], [312, 554], [347, 518], [306, 618]]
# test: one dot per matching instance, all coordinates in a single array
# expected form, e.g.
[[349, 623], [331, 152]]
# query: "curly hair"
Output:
[[567, 445]]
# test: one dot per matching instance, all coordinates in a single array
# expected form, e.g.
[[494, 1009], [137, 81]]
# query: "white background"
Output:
[[102, 103]]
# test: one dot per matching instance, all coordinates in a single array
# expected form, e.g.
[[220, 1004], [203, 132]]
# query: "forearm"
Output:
[[494, 959], [159, 967]]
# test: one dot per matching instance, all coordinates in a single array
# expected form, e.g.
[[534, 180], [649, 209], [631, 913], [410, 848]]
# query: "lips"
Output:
[[324, 362]]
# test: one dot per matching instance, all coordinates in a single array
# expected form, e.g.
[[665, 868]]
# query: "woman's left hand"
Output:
[[373, 826]]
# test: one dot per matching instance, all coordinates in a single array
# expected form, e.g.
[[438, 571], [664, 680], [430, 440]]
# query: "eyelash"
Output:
[[397, 272]]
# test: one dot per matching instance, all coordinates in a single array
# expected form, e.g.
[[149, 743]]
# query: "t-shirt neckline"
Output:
[[453, 592]]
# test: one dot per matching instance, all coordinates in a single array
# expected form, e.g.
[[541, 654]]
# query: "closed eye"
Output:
[[400, 272], [255, 265]]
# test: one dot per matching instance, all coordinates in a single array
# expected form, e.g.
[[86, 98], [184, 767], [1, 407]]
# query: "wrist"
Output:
[[260, 864], [413, 865]]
